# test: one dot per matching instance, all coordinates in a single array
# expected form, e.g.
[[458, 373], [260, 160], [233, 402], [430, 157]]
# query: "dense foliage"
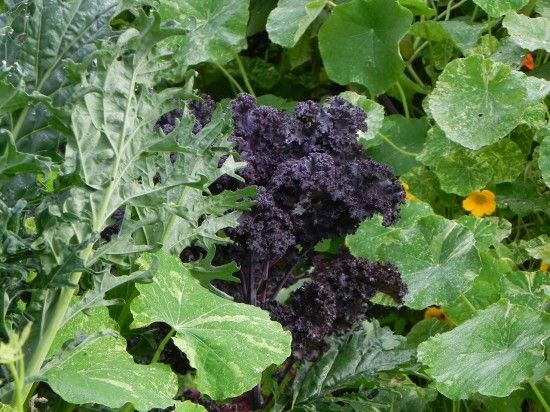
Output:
[[279, 205]]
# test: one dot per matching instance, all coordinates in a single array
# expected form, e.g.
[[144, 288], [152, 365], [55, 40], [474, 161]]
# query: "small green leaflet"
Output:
[[291, 18], [359, 43], [529, 33], [99, 370], [216, 29], [477, 102], [490, 354], [497, 8], [189, 406], [229, 343], [437, 257]]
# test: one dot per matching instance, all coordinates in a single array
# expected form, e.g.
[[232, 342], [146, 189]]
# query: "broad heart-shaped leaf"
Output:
[[529, 33], [229, 343], [359, 43], [360, 355], [216, 29], [490, 354], [488, 231], [291, 18], [477, 102], [54, 31], [436, 257], [544, 159], [461, 170], [497, 8], [99, 370]]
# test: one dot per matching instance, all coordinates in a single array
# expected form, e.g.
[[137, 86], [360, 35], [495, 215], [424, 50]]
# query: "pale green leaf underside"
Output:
[[497, 8], [359, 43], [101, 371], [189, 406], [229, 343], [477, 102], [373, 110], [291, 18], [217, 29], [529, 33], [490, 354]]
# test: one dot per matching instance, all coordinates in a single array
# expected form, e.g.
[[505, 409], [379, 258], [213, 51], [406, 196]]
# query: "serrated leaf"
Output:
[[529, 33], [99, 370], [477, 102], [229, 343], [362, 354], [291, 18], [359, 43], [216, 29], [503, 341], [497, 8], [55, 32], [436, 257]]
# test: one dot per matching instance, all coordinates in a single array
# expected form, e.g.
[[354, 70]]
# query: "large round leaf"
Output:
[[477, 102], [529, 33], [497, 8], [491, 354], [291, 18], [99, 370], [359, 43], [229, 343]]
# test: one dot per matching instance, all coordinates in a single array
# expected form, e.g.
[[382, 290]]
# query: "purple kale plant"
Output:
[[314, 182]]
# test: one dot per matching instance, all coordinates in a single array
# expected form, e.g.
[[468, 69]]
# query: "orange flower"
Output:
[[408, 195], [437, 313], [528, 62], [544, 267], [480, 203]]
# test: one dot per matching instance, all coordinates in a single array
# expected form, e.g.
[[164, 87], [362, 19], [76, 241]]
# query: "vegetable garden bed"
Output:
[[274, 205]]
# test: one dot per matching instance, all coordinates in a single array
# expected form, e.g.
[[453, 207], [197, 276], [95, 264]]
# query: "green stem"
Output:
[[162, 344], [243, 74], [417, 51], [539, 395], [230, 78], [397, 148], [403, 99], [474, 14], [450, 7], [468, 303], [18, 398], [415, 76], [20, 120]]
